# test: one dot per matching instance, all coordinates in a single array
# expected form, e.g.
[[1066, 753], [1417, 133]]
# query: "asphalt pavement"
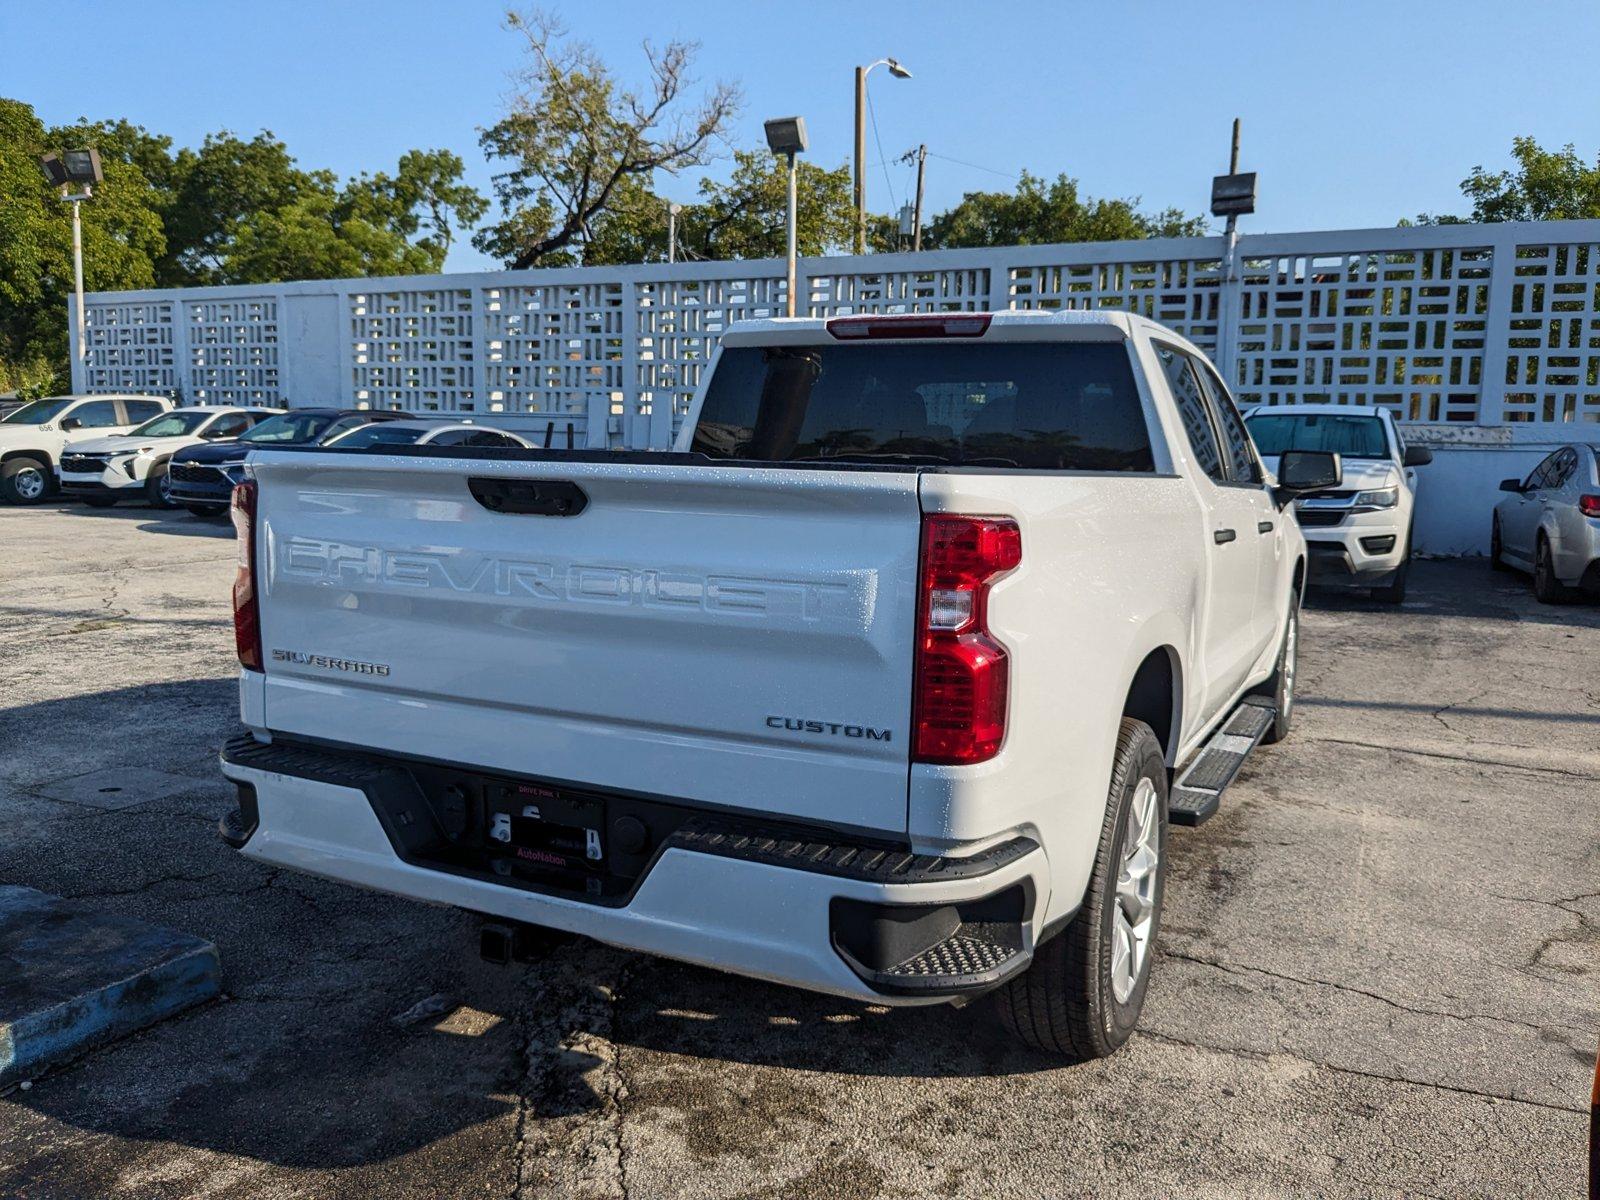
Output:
[[1379, 973]]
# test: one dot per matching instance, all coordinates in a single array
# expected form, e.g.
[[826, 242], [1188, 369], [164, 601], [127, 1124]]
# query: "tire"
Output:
[[1081, 997], [1497, 560], [157, 488], [1394, 592], [209, 512], [1547, 589], [98, 501], [1280, 685], [25, 480]]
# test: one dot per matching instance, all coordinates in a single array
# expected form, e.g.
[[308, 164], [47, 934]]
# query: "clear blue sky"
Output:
[[1355, 113]]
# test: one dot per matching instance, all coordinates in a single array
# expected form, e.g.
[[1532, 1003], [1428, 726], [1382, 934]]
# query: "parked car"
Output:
[[33, 436], [426, 433], [1549, 524], [104, 470], [201, 477], [886, 686], [1359, 533]]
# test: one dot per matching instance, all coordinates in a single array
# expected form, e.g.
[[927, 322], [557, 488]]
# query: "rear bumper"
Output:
[[772, 908]]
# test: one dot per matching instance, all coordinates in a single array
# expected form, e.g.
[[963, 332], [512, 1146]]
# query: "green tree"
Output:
[[1546, 185], [122, 238], [578, 144], [744, 217], [1039, 212]]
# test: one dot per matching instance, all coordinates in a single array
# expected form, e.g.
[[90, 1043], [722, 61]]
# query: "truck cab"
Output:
[[33, 436]]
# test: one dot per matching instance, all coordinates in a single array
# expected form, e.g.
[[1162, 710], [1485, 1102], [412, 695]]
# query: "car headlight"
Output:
[[1381, 498]]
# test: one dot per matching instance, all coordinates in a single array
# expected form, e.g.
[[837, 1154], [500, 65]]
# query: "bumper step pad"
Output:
[[1199, 789]]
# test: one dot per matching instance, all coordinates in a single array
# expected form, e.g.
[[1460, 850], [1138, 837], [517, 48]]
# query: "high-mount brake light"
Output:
[[246, 603], [959, 695], [962, 325], [1589, 506]]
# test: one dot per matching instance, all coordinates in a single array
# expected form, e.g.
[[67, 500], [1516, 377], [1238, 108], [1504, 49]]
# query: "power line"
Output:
[[887, 182], [975, 166]]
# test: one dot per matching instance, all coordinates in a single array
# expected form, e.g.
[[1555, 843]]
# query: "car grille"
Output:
[[1319, 518], [194, 473], [84, 463]]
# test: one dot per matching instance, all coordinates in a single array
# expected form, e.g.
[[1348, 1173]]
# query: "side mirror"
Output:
[[1417, 456], [1302, 471], [67, 424], [1511, 485]]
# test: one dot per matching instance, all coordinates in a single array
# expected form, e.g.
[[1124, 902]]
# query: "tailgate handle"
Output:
[[529, 497]]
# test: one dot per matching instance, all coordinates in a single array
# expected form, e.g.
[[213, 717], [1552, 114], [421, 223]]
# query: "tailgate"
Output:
[[742, 639]]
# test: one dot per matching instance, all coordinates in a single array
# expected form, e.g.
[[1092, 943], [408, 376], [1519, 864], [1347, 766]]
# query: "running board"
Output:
[[1199, 789]]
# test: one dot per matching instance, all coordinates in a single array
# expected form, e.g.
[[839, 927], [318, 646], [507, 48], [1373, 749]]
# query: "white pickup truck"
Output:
[[885, 683]]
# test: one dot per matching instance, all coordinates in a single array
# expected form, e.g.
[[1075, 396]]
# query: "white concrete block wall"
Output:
[[1484, 339]]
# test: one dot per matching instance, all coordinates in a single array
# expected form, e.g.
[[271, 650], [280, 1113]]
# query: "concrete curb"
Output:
[[72, 979]]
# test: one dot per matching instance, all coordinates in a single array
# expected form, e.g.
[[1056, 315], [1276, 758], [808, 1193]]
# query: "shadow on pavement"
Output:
[[1460, 587]]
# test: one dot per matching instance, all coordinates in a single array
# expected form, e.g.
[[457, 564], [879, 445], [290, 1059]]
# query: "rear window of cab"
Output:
[[1070, 406]]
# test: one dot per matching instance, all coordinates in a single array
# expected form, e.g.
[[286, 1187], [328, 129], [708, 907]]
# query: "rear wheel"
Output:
[[1082, 994], [24, 480], [158, 487], [1547, 589], [208, 511], [1280, 686]]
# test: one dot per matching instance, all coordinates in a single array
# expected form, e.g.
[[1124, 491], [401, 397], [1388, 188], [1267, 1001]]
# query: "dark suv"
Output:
[[201, 478]]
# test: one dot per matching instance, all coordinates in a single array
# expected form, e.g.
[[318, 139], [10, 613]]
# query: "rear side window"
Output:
[[1069, 406], [1235, 441], [97, 414], [140, 411], [1190, 398]]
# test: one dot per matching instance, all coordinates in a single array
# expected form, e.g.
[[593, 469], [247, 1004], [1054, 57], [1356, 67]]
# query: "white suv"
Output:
[[104, 470], [1359, 534], [33, 436]]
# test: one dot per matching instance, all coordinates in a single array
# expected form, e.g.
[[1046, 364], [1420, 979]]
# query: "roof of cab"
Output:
[[811, 329]]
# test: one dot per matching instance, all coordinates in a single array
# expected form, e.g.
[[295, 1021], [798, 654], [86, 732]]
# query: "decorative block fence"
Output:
[[1471, 325], [1485, 339]]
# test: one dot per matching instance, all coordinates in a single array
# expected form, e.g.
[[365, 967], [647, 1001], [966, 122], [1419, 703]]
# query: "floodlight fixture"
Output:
[[787, 135]]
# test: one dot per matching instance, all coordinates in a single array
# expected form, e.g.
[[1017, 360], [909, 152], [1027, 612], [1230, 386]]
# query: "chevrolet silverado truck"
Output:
[[885, 683]]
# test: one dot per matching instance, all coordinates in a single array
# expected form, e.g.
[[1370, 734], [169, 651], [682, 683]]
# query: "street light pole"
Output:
[[899, 72], [787, 136], [672, 231], [794, 244], [77, 273]]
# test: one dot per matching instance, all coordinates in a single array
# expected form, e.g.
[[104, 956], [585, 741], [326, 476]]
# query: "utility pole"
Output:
[[861, 159], [916, 218]]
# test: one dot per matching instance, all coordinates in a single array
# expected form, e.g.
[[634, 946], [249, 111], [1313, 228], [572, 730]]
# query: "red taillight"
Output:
[[955, 325], [962, 675], [246, 608], [1589, 506]]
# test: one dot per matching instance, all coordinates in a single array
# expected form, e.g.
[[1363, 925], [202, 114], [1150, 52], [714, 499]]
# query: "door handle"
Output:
[[1263, 526], [1223, 536]]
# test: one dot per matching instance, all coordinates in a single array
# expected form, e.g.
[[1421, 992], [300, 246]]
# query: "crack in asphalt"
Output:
[[1243, 1053], [1461, 758], [1241, 969]]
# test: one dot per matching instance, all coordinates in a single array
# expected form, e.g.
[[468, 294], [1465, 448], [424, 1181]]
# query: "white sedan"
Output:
[[1549, 524]]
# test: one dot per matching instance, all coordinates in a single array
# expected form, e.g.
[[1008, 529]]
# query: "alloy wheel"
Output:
[[1133, 921]]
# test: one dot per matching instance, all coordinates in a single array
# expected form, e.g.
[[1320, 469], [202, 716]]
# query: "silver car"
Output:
[[1550, 524]]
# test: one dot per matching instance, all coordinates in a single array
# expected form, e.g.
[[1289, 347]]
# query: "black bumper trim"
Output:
[[770, 842]]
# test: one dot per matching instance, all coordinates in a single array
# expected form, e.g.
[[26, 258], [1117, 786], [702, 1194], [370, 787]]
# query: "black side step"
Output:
[[1199, 789]]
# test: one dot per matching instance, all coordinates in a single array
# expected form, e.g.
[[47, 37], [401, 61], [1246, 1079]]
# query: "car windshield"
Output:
[[377, 435], [1351, 436], [1039, 405], [173, 424], [288, 429], [38, 412]]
